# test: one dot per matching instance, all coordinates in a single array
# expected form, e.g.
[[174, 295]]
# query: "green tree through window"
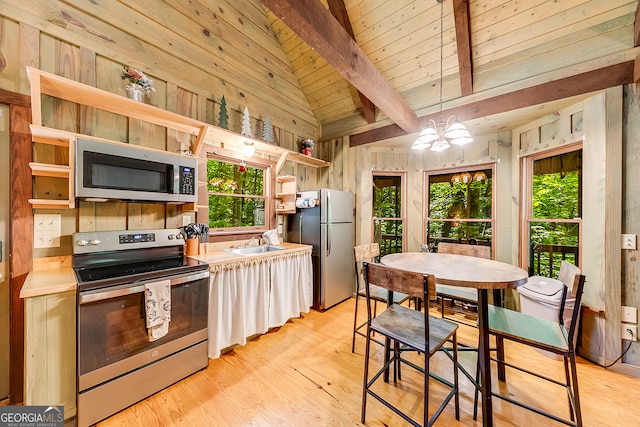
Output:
[[387, 213], [236, 195], [459, 207], [555, 212]]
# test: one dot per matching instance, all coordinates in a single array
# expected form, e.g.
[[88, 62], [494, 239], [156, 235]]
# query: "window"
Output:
[[237, 195], [459, 207], [388, 217], [553, 212]]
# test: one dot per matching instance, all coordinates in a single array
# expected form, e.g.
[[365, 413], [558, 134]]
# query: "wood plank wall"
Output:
[[505, 149], [364, 160], [74, 40]]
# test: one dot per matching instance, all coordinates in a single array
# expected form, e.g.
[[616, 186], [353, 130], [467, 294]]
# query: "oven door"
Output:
[[112, 333]]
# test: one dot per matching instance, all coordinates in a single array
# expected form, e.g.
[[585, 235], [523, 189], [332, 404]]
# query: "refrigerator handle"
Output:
[[329, 223], [300, 227]]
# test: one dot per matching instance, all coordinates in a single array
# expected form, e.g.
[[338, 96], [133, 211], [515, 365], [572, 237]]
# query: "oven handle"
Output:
[[100, 296]]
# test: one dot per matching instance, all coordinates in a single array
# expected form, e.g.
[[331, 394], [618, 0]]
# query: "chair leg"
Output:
[[476, 393], [500, 356], [365, 388], [396, 362], [456, 398], [574, 387], [355, 325], [567, 381], [426, 390]]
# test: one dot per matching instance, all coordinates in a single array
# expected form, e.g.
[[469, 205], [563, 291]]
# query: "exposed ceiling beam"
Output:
[[314, 24], [590, 81], [463, 40], [636, 27], [339, 11]]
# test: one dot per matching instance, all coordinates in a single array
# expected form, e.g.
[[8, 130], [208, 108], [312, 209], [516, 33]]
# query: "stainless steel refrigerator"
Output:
[[328, 227]]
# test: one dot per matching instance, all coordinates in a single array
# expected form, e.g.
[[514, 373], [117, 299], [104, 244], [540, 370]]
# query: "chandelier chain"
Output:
[[441, 52]]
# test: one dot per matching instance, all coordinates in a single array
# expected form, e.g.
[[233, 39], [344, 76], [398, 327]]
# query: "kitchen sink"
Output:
[[254, 250]]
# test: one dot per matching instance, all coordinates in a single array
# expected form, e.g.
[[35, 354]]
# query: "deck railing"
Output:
[[545, 260]]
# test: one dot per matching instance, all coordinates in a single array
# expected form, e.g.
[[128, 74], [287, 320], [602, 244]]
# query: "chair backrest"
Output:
[[407, 282], [573, 283], [367, 252], [462, 249]]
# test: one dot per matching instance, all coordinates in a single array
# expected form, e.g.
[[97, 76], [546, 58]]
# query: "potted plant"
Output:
[[139, 84], [307, 146]]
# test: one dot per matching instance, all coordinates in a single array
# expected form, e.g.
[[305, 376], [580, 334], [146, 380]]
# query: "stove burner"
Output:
[[119, 270], [113, 261]]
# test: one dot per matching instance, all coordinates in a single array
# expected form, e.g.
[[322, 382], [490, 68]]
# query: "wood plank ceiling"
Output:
[[504, 62]]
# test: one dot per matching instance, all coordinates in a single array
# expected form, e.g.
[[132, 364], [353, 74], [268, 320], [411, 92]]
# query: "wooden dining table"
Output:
[[470, 272]]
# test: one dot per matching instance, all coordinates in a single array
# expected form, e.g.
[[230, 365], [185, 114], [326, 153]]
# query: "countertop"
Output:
[[218, 256], [47, 282], [52, 281]]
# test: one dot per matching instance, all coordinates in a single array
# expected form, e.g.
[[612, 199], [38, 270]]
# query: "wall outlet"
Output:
[[629, 241], [47, 229], [629, 332], [629, 314]]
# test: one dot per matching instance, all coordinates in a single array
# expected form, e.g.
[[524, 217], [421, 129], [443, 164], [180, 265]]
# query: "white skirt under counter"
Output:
[[247, 296]]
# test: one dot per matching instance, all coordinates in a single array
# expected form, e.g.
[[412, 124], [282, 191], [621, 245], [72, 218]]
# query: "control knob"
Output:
[[82, 242], [95, 241]]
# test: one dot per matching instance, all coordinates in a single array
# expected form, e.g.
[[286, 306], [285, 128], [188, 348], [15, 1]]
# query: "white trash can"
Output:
[[540, 297]]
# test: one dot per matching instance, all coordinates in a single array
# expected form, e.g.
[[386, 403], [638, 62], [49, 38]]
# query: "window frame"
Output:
[[403, 205], [526, 207], [268, 166], [469, 168]]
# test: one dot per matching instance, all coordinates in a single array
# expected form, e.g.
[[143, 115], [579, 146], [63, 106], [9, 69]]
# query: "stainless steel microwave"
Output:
[[126, 172]]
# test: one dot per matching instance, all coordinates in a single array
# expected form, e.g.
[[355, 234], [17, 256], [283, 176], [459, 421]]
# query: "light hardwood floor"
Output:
[[304, 374]]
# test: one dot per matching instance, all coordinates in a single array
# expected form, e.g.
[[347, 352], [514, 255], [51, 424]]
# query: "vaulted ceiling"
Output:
[[372, 74], [504, 62]]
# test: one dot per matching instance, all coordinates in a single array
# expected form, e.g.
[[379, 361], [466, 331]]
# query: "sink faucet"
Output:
[[251, 239]]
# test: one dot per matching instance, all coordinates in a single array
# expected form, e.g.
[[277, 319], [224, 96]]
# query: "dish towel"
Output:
[[157, 298]]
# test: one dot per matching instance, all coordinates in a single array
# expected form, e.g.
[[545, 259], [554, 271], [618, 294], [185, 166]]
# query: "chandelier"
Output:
[[467, 178], [439, 136]]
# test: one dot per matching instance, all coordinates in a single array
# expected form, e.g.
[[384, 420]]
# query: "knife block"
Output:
[[192, 246]]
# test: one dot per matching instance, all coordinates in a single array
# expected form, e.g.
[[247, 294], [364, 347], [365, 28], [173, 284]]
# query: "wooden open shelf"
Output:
[[237, 141], [59, 138], [286, 197], [50, 84], [53, 171], [46, 83]]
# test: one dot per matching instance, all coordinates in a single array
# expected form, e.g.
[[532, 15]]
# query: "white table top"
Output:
[[460, 270]]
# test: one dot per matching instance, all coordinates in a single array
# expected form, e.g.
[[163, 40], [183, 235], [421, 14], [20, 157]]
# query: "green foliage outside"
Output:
[[554, 196], [456, 202], [387, 203], [227, 187]]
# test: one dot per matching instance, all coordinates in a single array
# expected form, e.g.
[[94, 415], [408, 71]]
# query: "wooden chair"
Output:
[[456, 293], [408, 329], [544, 335], [368, 253]]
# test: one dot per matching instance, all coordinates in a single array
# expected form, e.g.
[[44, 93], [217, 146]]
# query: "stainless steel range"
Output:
[[118, 362]]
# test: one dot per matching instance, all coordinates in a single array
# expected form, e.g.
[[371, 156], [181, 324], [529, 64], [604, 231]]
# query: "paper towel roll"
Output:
[[306, 202]]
